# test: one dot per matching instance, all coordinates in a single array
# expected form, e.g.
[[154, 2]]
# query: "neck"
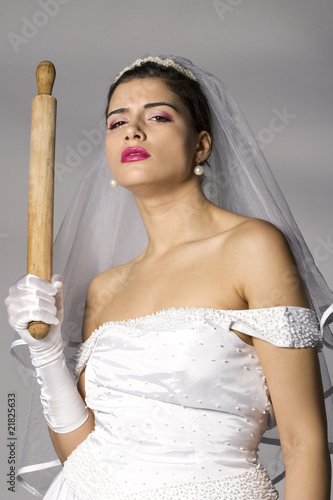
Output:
[[171, 220]]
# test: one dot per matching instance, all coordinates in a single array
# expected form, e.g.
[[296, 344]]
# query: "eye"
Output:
[[159, 118], [116, 124]]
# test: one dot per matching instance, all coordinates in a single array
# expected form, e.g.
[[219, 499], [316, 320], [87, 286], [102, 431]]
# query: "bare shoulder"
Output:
[[101, 290], [266, 268], [108, 279], [260, 236], [250, 231]]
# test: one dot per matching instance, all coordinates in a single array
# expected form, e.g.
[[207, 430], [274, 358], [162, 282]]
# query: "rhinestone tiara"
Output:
[[167, 63]]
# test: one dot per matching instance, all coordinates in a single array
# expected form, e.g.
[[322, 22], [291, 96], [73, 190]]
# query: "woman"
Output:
[[186, 346]]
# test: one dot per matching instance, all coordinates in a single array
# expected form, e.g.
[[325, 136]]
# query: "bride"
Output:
[[201, 342]]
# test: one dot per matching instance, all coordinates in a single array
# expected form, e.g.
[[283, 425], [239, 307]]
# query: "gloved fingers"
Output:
[[18, 303], [23, 310], [20, 296], [31, 292], [33, 299], [34, 283], [20, 320], [58, 282]]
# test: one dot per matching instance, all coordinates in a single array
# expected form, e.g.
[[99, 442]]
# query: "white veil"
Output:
[[103, 229]]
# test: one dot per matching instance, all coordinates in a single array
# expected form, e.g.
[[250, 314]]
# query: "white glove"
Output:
[[34, 299]]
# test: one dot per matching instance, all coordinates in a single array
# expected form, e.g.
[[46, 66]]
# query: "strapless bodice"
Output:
[[180, 401]]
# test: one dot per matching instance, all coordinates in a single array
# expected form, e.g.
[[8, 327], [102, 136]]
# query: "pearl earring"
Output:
[[113, 183], [198, 170]]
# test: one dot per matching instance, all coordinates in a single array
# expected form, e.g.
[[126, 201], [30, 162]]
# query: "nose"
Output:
[[134, 131]]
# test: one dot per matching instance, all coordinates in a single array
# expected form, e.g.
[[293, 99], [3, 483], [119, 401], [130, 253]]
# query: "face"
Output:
[[150, 140]]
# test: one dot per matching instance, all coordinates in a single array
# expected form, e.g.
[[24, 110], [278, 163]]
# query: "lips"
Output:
[[134, 154]]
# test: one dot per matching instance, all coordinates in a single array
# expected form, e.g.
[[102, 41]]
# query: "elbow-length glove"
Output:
[[34, 299]]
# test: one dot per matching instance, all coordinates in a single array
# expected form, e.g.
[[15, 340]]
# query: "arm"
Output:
[[100, 292], [294, 382], [69, 421], [64, 444], [293, 375]]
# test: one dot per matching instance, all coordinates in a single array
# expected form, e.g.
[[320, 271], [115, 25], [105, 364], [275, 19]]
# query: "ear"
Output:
[[203, 147]]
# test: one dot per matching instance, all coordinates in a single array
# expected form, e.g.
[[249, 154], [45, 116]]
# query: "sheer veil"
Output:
[[103, 229]]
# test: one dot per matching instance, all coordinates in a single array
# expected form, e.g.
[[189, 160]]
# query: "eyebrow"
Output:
[[146, 106]]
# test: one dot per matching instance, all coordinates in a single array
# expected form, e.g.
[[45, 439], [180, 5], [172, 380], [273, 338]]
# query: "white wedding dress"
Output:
[[180, 403]]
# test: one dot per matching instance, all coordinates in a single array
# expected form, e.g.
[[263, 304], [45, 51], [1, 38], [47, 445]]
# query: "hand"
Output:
[[34, 299]]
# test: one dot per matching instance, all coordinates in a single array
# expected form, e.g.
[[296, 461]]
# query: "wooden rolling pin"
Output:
[[41, 183]]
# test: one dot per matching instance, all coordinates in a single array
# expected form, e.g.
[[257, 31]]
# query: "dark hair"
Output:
[[188, 90]]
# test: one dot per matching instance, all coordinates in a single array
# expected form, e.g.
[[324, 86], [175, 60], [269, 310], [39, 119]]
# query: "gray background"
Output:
[[273, 55]]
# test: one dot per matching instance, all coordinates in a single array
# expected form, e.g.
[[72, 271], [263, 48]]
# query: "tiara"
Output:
[[167, 63]]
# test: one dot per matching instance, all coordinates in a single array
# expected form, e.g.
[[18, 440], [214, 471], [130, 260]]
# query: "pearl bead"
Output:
[[113, 183], [198, 170]]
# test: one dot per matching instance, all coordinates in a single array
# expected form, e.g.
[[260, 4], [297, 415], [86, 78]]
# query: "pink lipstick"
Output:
[[134, 154]]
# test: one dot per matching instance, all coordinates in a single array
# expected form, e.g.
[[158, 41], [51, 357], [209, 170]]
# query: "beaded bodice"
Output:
[[179, 398]]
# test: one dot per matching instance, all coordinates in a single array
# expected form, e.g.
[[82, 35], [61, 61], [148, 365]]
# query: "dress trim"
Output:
[[89, 481], [282, 326]]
